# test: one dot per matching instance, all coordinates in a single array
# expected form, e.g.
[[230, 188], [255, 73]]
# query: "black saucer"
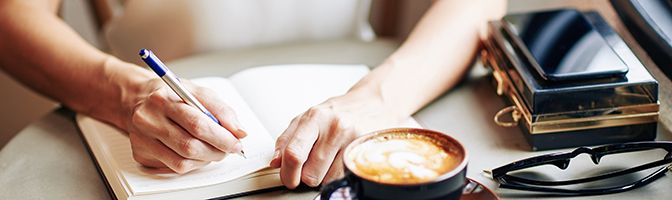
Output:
[[473, 191]]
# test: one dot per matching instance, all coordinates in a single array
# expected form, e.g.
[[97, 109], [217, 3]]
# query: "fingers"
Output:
[[141, 153], [335, 170], [224, 113], [324, 152], [189, 147], [309, 148], [159, 127], [281, 142], [200, 126], [295, 153], [152, 150]]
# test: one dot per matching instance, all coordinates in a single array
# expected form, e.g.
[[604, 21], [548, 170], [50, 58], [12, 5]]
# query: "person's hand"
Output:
[[311, 148], [166, 132]]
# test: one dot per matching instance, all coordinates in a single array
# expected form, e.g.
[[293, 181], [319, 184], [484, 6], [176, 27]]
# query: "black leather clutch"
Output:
[[590, 110]]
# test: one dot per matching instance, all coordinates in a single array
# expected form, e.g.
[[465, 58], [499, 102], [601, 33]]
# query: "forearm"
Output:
[[42, 52], [434, 57]]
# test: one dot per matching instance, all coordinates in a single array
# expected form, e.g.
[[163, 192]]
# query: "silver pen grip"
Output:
[[181, 91]]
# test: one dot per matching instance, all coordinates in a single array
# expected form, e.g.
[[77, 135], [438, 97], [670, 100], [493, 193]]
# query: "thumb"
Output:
[[277, 156], [281, 143], [276, 162]]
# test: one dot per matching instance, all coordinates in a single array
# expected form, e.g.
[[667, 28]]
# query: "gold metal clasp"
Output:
[[501, 86], [488, 61], [515, 117]]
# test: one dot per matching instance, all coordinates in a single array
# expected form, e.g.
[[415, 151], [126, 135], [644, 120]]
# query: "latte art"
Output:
[[401, 158]]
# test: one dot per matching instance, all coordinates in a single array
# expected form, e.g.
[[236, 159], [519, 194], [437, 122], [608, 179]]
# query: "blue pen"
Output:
[[169, 77]]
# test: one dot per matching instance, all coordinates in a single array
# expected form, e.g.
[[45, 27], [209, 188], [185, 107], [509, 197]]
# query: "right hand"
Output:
[[311, 148], [165, 132]]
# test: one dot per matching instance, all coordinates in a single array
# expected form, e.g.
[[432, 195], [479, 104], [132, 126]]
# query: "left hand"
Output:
[[311, 148]]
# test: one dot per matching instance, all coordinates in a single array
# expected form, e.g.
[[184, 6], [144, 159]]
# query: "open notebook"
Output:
[[265, 99]]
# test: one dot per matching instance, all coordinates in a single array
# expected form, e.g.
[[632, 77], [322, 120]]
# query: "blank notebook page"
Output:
[[282, 92]]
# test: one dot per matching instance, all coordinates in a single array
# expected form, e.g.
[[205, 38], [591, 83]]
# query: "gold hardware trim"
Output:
[[559, 122], [515, 116], [619, 111], [594, 122]]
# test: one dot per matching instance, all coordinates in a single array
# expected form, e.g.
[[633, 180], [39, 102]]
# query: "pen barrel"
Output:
[[160, 69], [188, 98]]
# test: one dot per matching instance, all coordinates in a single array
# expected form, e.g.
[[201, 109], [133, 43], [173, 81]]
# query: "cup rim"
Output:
[[459, 168]]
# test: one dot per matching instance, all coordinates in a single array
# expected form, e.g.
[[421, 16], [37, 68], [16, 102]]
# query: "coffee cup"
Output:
[[402, 163]]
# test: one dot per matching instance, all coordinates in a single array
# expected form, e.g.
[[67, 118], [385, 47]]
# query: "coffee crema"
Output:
[[402, 158]]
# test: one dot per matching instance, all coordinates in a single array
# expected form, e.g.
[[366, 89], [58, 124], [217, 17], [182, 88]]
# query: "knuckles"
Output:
[[197, 127], [180, 166], [294, 156], [311, 173], [138, 118], [158, 98], [188, 148], [341, 125], [139, 158], [284, 137], [310, 179], [318, 111], [340, 131], [143, 123], [344, 131]]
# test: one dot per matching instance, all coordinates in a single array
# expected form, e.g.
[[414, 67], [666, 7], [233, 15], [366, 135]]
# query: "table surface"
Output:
[[47, 159]]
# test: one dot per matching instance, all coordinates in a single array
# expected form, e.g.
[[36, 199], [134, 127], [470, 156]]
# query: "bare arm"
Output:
[[434, 58], [42, 52]]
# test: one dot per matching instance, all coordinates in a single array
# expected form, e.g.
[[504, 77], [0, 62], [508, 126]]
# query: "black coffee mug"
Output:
[[448, 185]]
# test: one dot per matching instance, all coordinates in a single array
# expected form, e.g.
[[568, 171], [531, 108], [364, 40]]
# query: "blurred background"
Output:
[[111, 24], [95, 19]]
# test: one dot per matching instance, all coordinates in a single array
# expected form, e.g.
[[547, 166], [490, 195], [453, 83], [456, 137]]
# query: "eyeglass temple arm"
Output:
[[561, 160], [609, 190], [668, 160]]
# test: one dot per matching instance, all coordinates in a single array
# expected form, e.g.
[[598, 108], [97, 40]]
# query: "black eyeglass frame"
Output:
[[562, 160]]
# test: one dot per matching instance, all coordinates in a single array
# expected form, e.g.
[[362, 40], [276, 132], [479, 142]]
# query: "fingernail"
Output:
[[237, 147], [241, 133]]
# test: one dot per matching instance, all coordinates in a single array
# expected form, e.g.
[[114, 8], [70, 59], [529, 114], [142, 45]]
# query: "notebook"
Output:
[[265, 99]]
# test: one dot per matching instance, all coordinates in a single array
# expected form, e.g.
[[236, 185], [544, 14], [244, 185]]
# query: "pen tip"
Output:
[[242, 153]]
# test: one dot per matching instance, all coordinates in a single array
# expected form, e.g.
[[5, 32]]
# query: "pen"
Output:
[[169, 77]]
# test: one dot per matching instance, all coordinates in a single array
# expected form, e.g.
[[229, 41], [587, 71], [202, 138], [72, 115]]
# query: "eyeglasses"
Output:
[[561, 160]]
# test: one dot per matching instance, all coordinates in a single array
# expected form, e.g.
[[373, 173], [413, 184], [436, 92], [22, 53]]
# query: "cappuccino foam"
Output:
[[401, 158]]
